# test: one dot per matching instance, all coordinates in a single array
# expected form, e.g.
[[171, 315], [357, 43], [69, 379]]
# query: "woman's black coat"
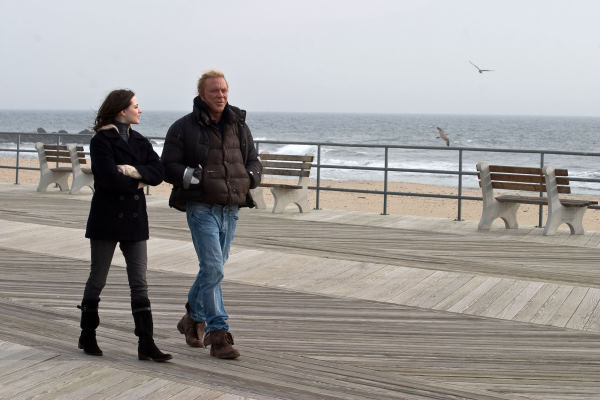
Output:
[[118, 209]]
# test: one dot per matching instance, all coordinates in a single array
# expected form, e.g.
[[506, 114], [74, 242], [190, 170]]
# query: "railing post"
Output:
[[318, 176], [18, 153], [541, 207], [385, 182], [460, 170]]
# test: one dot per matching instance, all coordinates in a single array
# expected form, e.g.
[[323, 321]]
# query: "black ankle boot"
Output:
[[142, 316], [87, 342], [89, 322], [147, 350]]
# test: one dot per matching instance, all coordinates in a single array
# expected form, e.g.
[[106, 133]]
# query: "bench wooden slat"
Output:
[[544, 201], [522, 199], [283, 164], [61, 169], [525, 178], [577, 203], [59, 159], [525, 170], [528, 187], [55, 153], [286, 157], [55, 147], [285, 172], [281, 185]]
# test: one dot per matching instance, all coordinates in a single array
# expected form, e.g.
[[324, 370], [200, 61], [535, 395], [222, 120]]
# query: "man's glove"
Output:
[[192, 177]]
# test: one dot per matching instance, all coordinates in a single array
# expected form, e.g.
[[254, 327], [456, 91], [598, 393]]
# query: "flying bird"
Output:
[[481, 71], [444, 135]]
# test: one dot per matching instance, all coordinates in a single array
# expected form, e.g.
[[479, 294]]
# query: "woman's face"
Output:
[[131, 115]]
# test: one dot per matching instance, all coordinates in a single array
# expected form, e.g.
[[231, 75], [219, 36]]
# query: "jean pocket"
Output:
[[194, 208]]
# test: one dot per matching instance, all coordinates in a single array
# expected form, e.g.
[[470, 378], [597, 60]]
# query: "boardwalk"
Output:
[[322, 305]]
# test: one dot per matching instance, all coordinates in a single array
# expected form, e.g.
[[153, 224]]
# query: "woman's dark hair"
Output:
[[115, 102]]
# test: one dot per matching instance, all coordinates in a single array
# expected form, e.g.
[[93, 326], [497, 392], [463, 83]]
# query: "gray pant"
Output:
[[136, 259]]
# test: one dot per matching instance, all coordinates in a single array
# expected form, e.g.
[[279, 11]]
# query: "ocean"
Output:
[[572, 134]]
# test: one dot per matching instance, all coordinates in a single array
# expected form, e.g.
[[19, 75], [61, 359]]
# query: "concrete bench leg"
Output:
[[284, 196], [258, 197], [572, 216], [506, 211], [80, 180], [60, 178]]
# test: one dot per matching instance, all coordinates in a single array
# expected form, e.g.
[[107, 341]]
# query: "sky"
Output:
[[347, 56]]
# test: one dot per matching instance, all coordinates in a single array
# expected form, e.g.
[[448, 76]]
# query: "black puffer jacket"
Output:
[[188, 144], [118, 209]]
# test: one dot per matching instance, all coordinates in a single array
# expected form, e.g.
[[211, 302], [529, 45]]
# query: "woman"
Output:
[[123, 162]]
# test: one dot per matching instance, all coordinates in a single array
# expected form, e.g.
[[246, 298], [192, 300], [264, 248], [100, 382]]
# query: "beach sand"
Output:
[[373, 203]]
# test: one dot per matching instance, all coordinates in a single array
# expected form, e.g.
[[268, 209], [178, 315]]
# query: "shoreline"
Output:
[[363, 202]]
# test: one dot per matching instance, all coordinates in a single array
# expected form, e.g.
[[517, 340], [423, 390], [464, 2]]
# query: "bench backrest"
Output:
[[78, 155], [57, 153], [286, 164], [62, 154], [525, 178]]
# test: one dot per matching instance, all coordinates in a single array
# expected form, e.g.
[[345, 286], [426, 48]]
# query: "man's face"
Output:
[[215, 94]]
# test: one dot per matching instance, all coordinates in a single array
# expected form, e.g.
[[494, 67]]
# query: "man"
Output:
[[210, 158]]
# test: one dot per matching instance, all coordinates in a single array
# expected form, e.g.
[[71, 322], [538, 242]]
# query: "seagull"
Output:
[[481, 71], [444, 135]]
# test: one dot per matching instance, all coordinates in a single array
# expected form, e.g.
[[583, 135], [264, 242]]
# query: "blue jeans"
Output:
[[212, 227]]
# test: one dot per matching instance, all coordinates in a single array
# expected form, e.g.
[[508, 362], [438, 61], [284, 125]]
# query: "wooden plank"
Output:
[[519, 186], [460, 293], [526, 178], [280, 185], [522, 199], [520, 300], [518, 178], [55, 147], [586, 308], [515, 169], [58, 159], [566, 310], [286, 157], [291, 165], [577, 203], [526, 170], [545, 313], [285, 172]]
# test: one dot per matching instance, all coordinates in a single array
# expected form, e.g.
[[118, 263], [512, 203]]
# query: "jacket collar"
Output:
[[112, 132], [231, 114], [112, 126]]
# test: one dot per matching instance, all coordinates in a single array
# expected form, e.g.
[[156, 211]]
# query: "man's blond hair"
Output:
[[212, 73]]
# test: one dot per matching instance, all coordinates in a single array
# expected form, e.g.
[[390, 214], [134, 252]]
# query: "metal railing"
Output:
[[319, 166]]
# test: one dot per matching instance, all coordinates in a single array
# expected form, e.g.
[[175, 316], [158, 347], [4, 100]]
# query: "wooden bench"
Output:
[[69, 159], [547, 180], [285, 165]]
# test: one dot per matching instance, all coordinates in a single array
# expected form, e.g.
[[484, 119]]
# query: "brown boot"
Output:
[[192, 330], [221, 344]]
